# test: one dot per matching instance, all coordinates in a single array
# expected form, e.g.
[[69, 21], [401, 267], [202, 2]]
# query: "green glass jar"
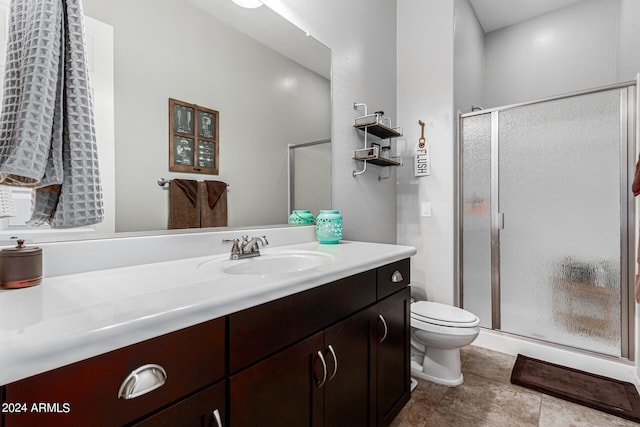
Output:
[[301, 217], [329, 227]]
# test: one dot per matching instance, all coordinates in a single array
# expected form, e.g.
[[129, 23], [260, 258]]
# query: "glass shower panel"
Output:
[[559, 173], [476, 220], [310, 176]]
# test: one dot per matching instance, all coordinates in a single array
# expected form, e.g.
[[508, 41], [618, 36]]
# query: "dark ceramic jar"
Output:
[[20, 267]]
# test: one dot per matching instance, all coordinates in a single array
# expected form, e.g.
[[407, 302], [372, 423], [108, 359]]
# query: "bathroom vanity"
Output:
[[326, 346]]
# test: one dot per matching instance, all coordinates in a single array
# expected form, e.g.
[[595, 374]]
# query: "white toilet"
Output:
[[438, 331]]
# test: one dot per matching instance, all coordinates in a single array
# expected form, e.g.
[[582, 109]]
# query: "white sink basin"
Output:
[[269, 263]]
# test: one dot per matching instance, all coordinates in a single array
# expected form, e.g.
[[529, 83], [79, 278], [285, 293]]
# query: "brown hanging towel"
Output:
[[213, 203], [184, 204], [635, 188], [637, 287]]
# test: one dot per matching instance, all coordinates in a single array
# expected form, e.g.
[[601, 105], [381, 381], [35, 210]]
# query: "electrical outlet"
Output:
[[425, 209]]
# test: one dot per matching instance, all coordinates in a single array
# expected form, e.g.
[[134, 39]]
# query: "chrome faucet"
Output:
[[251, 247], [246, 248]]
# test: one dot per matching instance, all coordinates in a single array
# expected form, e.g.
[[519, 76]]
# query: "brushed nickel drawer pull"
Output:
[[142, 381], [320, 383], [216, 416], [386, 329], [335, 363], [396, 277]]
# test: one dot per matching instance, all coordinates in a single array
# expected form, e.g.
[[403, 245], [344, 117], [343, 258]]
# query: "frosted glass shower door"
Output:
[[559, 194], [476, 217]]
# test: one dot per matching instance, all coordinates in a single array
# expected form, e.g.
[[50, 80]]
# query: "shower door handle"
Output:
[[500, 221]]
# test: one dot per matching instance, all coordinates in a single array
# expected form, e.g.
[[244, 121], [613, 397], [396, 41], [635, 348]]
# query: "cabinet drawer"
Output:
[[393, 277], [262, 330], [86, 393], [206, 408]]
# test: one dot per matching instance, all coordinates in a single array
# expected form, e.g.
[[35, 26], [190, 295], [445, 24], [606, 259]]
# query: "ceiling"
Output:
[[265, 25], [496, 14], [272, 30]]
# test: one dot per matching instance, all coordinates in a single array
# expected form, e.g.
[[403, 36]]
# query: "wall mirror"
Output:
[[269, 81]]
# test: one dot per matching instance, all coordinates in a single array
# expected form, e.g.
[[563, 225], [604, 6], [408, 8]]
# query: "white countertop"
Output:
[[72, 317]]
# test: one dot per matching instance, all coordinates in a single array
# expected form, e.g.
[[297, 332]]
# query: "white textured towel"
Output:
[[7, 204], [47, 131]]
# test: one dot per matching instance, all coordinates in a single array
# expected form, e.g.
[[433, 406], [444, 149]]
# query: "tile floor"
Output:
[[488, 399]]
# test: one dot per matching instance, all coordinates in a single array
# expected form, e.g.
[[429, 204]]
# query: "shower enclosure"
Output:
[[547, 219]]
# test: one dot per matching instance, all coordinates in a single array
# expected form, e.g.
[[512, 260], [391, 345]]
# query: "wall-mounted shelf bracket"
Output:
[[375, 124]]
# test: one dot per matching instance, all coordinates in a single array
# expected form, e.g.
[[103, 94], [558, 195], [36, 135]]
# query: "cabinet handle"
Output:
[[216, 416], [386, 329], [396, 277], [320, 383], [142, 381], [335, 363]]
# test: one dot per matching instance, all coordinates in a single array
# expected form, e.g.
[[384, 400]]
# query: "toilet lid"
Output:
[[443, 314]]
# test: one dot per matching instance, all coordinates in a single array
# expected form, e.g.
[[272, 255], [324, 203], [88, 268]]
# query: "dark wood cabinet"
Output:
[[321, 381], [348, 350], [393, 356], [334, 355], [86, 393], [353, 371], [282, 390], [204, 409], [259, 331], [392, 277]]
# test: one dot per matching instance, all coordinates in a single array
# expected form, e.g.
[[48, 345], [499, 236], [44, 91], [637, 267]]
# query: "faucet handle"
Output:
[[235, 249]]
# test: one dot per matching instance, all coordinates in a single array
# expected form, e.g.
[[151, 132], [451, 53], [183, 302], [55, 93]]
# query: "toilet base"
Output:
[[439, 366], [416, 371]]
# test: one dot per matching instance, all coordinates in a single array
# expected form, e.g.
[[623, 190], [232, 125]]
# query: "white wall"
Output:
[[629, 50], [572, 49], [362, 38], [425, 92], [172, 49], [468, 58]]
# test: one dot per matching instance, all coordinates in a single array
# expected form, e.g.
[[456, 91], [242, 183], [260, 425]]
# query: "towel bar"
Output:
[[162, 182]]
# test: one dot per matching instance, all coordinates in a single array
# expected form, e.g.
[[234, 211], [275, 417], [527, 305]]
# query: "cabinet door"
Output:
[[295, 317], [348, 347], [284, 390], [393, 353], [204, 409]]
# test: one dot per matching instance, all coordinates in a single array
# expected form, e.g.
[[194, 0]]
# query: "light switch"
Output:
[[426, 209]]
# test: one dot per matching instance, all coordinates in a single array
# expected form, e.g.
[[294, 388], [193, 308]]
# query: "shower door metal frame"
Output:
[[629, 136], [292, 168]]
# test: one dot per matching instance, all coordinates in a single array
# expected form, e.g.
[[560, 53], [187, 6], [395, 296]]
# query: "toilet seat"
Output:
[[443, 315]]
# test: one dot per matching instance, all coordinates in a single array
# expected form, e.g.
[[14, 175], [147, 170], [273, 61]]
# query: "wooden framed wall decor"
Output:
[[193, 138]]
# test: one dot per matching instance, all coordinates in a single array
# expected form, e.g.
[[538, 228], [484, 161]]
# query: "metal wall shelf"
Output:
[[374, 127], [372, 156], [374, 124]]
